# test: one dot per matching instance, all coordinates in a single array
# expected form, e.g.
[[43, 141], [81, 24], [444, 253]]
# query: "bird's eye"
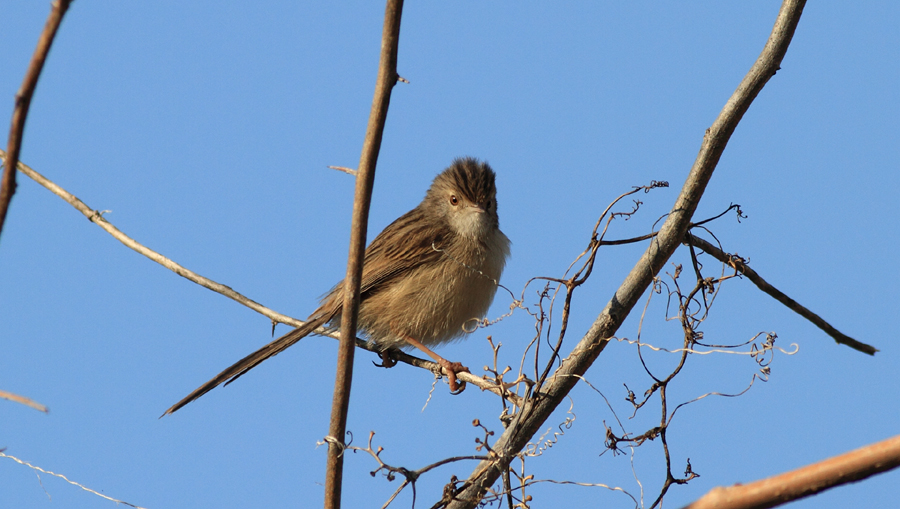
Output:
[[488, 204], [454, 200]]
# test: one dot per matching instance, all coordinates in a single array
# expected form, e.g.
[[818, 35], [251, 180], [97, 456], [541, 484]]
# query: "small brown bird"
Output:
[[424, 277]]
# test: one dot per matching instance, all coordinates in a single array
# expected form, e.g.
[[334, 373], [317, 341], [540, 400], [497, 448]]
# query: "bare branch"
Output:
[[23, 102], [740, 265], [803, 482], [23, 400], [387, 78], [390, 471], [96, 217], [537, 410]]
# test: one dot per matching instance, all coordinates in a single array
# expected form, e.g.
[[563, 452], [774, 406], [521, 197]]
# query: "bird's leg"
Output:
[[452, 368]]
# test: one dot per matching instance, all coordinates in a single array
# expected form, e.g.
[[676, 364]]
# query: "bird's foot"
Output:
[[386, 360], [452, 368]]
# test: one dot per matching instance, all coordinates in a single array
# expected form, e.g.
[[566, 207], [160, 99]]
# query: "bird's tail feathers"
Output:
[[249, 362]]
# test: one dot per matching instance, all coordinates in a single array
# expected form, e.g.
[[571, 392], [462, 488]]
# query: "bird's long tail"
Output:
[[251, 361]]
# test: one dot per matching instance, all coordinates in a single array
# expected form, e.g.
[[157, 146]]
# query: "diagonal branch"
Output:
[[537, 410], [23, 400], [96, 217], [740, 265], [23, 103], [809, 480]]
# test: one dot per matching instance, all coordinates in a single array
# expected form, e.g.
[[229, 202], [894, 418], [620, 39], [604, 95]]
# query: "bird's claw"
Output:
[[386, 360], [452, 368]]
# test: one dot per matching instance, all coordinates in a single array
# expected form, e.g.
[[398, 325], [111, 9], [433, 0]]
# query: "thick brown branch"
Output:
[[803, 482], [738, 264], [365, 178], [23, 102], [537, 410]]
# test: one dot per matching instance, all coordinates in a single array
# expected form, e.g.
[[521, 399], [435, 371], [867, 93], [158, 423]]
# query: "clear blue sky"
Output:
[[206, 128]]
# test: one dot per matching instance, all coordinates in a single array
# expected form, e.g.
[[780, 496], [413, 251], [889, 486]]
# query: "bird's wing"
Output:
[[405, 244]]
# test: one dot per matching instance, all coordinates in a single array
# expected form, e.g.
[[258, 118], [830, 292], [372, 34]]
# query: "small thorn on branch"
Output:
[[351, 171]]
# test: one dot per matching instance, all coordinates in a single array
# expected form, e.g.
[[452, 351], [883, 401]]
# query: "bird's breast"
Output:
[[440, 300]]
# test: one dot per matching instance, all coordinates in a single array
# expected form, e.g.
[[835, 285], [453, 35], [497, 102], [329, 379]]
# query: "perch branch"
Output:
[[97, 218]]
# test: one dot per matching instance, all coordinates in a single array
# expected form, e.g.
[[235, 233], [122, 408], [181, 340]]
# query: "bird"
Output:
[[426, 277]]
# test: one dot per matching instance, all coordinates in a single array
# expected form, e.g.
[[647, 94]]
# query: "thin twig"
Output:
[[23, 400], [704, 352], [85, 488], [410, 476], [739, 265], [23, 103], [96, 217]]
